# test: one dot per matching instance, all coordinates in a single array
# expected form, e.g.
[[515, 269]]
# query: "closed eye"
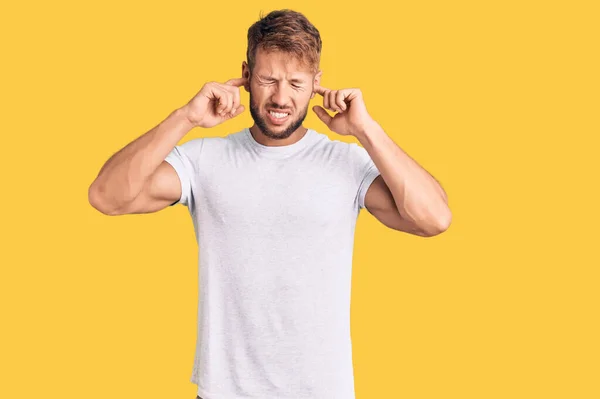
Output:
[[272, 81]]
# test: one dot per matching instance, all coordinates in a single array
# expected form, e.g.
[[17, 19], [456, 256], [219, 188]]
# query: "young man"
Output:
[[274, 208]]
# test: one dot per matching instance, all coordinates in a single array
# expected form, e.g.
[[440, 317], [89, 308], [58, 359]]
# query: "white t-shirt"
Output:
[[275, 231]]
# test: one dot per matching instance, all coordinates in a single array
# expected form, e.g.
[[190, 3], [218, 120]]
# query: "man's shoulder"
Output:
[[337, 143], [233, 137]]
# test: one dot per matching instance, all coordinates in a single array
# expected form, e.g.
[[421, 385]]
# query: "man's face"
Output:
[[280, 90]]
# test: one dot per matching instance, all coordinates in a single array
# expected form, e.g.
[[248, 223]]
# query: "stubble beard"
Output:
[[264, 128]]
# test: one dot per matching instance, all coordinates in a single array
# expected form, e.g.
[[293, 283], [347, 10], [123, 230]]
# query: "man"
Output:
[[274, 208]]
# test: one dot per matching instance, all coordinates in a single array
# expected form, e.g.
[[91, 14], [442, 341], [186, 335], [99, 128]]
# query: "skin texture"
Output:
[[265, 128], [279, 82]]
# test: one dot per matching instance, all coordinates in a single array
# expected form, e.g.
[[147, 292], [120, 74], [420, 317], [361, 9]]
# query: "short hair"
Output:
[[288, 31]]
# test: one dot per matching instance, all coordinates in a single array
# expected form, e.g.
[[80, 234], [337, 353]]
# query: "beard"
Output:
[[264, 128]]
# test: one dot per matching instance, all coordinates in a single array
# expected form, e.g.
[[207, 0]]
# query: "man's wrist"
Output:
[[369, 128], [183, 114]]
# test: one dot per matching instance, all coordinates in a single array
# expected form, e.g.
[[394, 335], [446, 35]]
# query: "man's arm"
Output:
[[137, 179], [405, 197], [128, 172]]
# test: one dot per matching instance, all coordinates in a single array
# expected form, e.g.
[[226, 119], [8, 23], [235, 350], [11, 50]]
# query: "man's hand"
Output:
[[352, 117], [215, 103]]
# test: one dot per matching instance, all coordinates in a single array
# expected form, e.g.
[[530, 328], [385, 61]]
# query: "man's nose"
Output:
[[281, 96]]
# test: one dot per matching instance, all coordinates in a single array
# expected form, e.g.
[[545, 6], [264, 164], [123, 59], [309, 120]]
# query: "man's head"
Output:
[[284, 51]]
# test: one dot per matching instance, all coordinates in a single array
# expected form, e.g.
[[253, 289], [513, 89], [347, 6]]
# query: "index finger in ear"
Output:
[[236, 82], [319, 89]]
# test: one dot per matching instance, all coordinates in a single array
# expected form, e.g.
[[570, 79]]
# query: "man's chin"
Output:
[[277, 133], [273, 130], [279, 128]]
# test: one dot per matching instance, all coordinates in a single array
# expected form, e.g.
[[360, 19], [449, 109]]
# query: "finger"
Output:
[[351, 94], [319, 89], [236, 104], [235, 113], [332, 103], [236, 99], [236, 82], [322, 114], [235, 93], [216, 97], [222, 97], [326, 99], [339, 100], [229, 105]]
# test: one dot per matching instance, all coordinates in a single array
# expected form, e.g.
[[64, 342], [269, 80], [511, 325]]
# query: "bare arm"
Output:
[[407, 195], [127, 172], [137, 179]]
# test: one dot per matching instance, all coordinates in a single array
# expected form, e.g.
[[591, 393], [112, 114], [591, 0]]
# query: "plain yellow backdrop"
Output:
[[498, 100]]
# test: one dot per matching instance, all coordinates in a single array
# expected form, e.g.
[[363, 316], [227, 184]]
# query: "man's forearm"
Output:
[[418, 196], [123, 176]]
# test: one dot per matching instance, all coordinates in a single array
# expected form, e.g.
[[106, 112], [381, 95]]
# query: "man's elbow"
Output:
[[95, 200], [443, 224]]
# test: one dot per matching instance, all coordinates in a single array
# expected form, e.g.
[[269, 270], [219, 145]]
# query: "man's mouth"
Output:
[[278, 117]]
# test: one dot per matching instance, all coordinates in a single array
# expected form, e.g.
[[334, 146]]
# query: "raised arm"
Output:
[[137, 176], [137, 179]]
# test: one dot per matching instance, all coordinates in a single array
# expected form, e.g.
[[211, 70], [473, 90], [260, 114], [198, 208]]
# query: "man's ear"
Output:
[[246, 74], [316, 81]]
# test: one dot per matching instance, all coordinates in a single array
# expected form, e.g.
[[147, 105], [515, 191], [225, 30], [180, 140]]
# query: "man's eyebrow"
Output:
[[294, 80]]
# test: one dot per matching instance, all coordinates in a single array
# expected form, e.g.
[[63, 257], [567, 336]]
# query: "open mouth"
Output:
[[278, 117]]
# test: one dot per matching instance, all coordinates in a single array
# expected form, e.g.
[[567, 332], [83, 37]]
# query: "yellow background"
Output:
[[498, 100]]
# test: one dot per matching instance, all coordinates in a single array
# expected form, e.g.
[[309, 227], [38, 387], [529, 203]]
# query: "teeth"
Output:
[[278, 114]]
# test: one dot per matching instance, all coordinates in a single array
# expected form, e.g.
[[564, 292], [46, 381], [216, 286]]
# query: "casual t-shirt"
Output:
[[275, 230]]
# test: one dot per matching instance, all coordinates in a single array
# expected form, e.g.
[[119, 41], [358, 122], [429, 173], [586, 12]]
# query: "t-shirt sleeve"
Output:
[[185, 159], [365, 171]]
